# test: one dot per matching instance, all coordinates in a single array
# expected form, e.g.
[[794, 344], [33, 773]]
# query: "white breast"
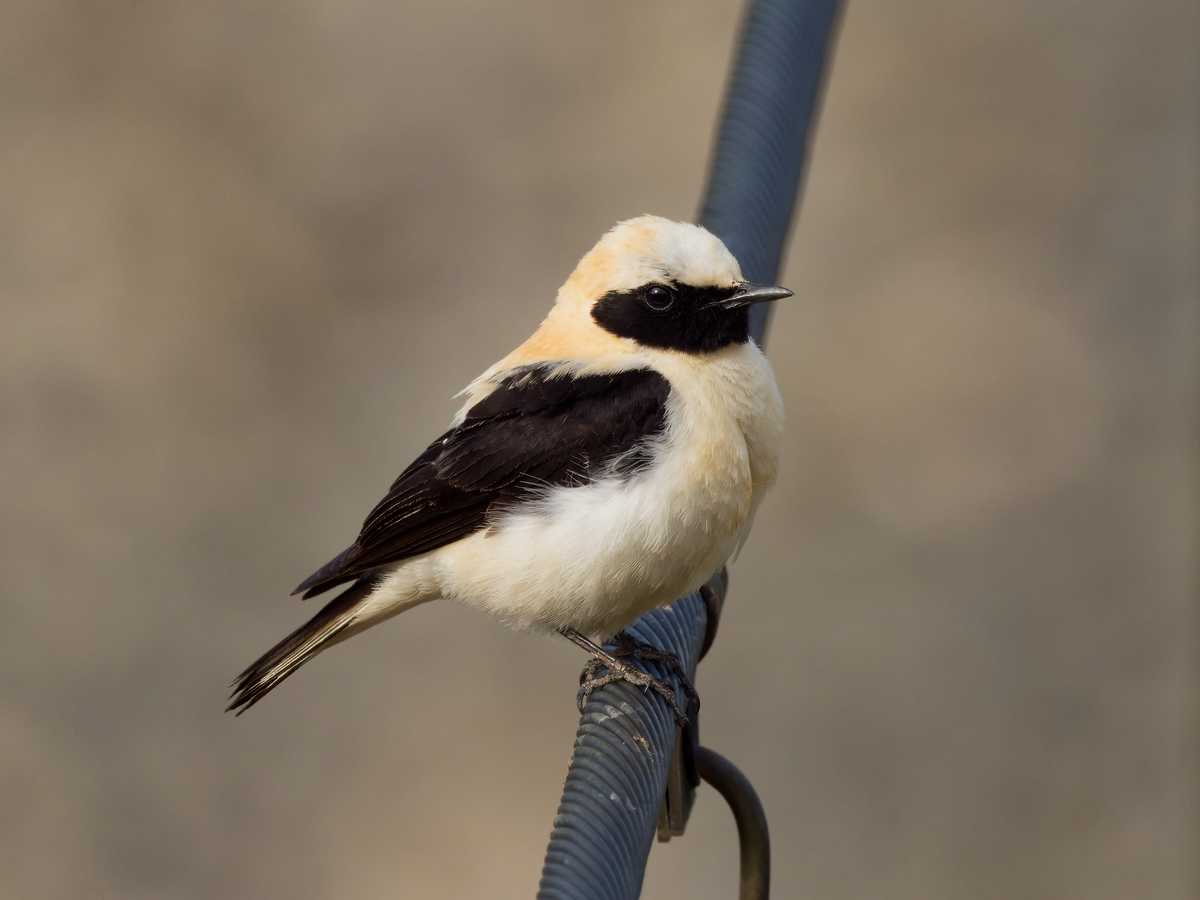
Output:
[[596, 557]]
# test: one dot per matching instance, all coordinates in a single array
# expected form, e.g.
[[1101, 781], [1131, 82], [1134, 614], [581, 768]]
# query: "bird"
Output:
[[610, 464]]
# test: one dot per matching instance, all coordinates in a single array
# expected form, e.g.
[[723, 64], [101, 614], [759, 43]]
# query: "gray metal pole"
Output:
[[614, 790]]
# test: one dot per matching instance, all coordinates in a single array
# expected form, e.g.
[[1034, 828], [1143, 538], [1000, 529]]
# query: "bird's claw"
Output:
[[627, 645]]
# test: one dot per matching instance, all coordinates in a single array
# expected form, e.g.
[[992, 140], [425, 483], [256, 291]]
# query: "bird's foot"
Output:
[[619, 671], [628, 645]]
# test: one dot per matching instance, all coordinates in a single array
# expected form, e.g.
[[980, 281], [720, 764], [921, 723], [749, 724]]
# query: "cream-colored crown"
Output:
[[651, 248]]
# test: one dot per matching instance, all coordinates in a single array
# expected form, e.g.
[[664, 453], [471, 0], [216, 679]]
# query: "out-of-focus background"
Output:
[[249, 249]]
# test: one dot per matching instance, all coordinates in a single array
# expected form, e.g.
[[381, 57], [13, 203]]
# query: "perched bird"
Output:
[[610, 464]]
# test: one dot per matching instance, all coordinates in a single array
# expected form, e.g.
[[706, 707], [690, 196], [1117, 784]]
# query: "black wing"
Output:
[[533, 431]]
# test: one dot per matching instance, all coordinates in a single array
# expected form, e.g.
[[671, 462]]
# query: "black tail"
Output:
[[299, 647]]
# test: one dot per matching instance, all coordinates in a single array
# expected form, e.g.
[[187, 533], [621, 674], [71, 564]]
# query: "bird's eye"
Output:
[[658, 297]]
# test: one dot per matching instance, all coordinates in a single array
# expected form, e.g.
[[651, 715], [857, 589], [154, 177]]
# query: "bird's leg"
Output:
[[621, 671]]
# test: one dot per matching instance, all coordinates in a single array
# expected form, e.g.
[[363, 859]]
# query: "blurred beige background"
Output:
[[248, 252]]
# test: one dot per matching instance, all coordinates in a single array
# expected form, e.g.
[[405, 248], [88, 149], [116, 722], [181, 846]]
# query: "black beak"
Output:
[[748, 294]]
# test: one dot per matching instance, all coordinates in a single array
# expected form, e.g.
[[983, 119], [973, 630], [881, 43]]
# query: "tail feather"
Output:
[[324, 629]]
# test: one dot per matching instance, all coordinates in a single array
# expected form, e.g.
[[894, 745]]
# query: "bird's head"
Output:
[[664, 284], [649, 284]]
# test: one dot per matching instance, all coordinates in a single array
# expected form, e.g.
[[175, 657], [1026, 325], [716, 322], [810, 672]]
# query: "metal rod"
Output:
[[754, 882]]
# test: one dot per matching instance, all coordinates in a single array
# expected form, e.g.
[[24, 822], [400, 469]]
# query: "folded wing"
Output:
[[536, 430]]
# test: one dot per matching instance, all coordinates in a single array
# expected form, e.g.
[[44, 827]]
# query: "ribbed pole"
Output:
[[610, 805], [614, 790], [762, 143]]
